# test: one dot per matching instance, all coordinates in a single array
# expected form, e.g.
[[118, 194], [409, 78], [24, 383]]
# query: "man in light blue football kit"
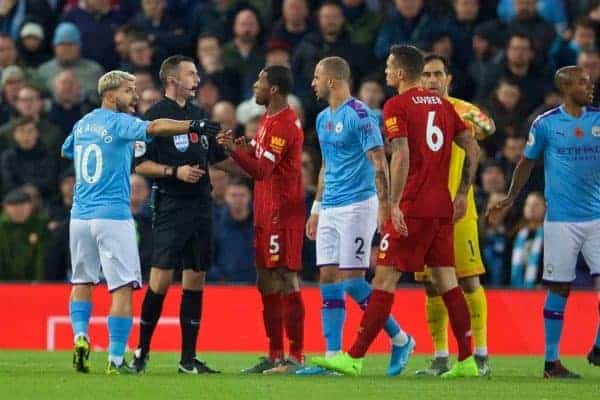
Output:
[[568, 138], [102, 233], [352, 201]]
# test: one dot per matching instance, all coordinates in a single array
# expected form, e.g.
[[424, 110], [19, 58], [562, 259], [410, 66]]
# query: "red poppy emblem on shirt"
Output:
[[578, 132], [330, 126], [193, 137]]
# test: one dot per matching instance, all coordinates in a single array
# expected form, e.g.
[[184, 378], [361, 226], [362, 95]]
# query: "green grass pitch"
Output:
[[41, 375]]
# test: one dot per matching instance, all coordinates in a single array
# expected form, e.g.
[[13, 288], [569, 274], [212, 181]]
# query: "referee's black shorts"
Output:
[[182, 233]]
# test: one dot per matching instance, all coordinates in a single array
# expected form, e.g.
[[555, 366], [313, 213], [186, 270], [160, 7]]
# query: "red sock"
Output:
[[377, 312], [460, 320], [294, 324], [273, 319]]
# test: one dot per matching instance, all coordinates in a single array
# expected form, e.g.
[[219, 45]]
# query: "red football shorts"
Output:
[[430, 242], [278, 248]]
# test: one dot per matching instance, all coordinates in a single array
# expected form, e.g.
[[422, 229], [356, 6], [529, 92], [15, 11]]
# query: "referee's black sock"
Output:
[[151, 309], [190, 313]]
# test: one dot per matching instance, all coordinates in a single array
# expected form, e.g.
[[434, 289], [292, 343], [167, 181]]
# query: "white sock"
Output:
[[481, 351], [116, 360], [331, 353], [442, 354], [400, 339]]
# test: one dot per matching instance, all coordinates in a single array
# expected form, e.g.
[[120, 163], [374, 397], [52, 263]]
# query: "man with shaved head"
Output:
[[568, 138]]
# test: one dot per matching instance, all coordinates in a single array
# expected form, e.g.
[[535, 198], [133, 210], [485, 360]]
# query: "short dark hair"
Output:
[[280, 76], [585, 23], [170, 66], [128, 29], [520, 35], [437, 57], [21, 121], [410, 59], [209, 35]]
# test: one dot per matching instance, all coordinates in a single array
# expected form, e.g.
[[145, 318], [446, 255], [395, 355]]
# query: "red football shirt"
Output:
[[276, 166], [430, 123]]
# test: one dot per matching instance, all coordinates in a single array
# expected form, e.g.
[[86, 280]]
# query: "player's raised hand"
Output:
[[383, 214], [398, 221], [495, 211], [242, 143], [311, 226], [190, 173], [226, 139], [460, 207]]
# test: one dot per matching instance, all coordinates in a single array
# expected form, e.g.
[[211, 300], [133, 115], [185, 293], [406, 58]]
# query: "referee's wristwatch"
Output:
[[170, 172]]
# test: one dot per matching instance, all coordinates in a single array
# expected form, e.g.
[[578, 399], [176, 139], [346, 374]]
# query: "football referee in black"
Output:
[[182, 226]]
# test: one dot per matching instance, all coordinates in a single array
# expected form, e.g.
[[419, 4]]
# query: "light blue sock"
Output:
[[80, 312], [360, 291], [118, 334], [333, 314], [554, 310]]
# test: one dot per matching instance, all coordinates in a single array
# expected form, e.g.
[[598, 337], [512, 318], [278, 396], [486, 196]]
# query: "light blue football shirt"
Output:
[[345, 136], [571, 150], [101, 145]]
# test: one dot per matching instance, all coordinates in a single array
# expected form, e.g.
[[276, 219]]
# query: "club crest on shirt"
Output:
[[204, 142], [596, 131], [182, 143], [339, 127]]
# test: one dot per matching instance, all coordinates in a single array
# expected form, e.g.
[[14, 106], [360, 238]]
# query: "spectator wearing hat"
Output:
[[29, 162], [278, 53], [164, 31], [29, 104], [209, 55], [244, 52], [32, 48], [12, 80], [294, 23], [97, 19], [362, 23], [23, 239], [14, 13], [67, 55]]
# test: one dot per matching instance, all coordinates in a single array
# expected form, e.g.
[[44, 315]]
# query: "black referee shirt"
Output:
[[188, 149]]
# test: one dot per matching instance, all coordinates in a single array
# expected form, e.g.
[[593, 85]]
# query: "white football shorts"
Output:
[[562, 243], [344, 234], [108, 245]]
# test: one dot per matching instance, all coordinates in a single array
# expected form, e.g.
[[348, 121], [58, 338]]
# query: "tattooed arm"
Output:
[[382, 182], [468, 143]]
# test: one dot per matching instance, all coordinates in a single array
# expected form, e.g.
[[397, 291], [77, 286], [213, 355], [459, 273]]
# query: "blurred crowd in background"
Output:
[[502, 53]]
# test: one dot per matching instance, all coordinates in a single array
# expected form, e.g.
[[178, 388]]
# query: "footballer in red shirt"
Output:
[[274, 160], [421, 127]]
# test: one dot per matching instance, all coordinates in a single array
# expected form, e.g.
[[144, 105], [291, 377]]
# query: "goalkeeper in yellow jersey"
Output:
[[469, 265]]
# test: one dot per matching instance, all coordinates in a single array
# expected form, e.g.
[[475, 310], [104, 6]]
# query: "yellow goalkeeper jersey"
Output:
[[467, 112]]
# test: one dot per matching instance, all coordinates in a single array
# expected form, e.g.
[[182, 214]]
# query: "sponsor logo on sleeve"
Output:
[[277, 144]]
